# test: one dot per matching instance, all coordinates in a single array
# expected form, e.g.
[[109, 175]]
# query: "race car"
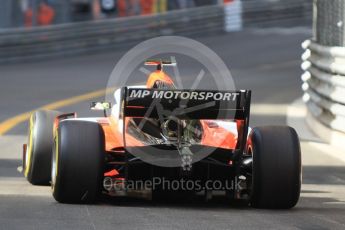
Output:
[[160, 134]]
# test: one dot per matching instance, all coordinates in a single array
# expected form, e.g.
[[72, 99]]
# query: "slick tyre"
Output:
[[276, 172], [78, 162], [37, 159]]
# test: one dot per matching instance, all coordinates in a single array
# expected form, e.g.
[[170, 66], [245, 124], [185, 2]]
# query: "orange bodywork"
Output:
[[113, 138], [158, 76], [218, 137]]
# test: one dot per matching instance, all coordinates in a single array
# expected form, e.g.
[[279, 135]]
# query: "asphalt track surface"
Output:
[[265, 61]]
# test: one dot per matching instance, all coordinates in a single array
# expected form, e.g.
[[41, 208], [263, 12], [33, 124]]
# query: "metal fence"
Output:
[[92, 36], [329, 22], [324, 66]]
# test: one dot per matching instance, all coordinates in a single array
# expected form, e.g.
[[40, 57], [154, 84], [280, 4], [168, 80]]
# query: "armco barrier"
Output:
[[324, 87], [91, 36], [324, 76], [277, 13]]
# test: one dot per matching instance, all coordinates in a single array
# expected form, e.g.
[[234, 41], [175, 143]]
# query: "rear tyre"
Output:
[[37, 160], [276, 178], [78, 162]]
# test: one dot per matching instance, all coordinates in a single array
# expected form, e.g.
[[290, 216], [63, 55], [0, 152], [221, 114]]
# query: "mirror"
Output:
[[100, 105]]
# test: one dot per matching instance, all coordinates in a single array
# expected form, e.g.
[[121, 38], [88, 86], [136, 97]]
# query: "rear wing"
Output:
[[186, 104]]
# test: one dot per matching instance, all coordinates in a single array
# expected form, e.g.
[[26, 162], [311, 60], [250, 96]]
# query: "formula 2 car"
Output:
[[157, 133]]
